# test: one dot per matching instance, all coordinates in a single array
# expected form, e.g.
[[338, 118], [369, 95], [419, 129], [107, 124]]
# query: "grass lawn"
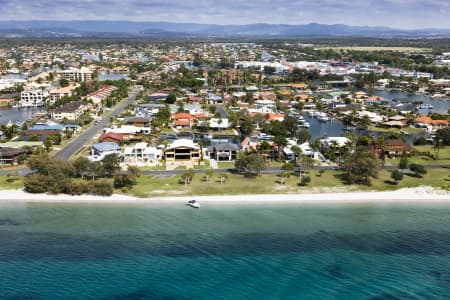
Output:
[[149, 186], [6, 184], [225, 165], [444, 156], [410, 130], [156, 168]]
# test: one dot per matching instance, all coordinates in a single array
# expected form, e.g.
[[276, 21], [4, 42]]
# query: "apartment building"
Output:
[[74, 74]]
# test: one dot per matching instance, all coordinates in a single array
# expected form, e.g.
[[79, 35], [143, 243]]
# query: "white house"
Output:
[[100, 150], [218, 123], [129, 130], [142, 155]]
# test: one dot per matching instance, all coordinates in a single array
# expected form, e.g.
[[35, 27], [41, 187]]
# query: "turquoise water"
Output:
[[224, 252]]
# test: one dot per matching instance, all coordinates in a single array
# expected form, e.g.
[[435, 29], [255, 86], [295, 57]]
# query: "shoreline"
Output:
[[421, 195]]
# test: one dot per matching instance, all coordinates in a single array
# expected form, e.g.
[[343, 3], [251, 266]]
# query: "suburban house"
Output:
[[142, 155], [57, 94], [182, 150], [100, 150], [69, 111], [337, 142], [396, 122], [100, 95], [158, 96], [129, 131], [223, 152], [264, 106], [218, 123], [430, 124], [183, 120], [9, 156], [112, 137], [391, 147], [40, 131], [138, 121]]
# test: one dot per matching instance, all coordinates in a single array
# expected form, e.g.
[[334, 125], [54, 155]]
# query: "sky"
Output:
[[404, 14]]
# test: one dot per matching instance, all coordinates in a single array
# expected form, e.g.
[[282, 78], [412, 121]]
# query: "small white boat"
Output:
[[305, 125], [193, 203], [425, 106], [322, 117]]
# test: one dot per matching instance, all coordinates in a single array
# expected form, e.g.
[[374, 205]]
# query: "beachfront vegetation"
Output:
[[361, 166], [51, 175]]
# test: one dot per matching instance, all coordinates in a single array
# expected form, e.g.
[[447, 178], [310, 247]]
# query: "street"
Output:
[[74, 146]]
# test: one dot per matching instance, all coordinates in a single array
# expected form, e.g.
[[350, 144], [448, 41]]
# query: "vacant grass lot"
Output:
[[149, 186]]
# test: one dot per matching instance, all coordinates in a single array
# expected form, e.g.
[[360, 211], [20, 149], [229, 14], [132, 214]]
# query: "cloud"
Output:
[[394, 13]]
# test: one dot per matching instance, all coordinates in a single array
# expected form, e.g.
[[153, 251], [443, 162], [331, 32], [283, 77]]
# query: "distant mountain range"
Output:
[[168, 29]]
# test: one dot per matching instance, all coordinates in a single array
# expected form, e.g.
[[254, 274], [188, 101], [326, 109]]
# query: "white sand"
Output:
[[409, 195]]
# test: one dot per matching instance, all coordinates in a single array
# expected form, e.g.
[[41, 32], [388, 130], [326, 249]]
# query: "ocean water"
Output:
[[141, 251]]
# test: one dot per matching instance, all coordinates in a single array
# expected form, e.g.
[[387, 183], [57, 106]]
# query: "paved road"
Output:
[[75, 145]]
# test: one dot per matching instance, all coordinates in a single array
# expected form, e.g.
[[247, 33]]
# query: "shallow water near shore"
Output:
[[140, 251]]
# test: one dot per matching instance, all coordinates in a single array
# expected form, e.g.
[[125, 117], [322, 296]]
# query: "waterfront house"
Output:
[[430, 124], [142, 155], [223, 152], [182, 150]]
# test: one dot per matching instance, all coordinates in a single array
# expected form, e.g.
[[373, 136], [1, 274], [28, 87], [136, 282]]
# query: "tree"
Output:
[[283, 176], [208, 174], [48, 143], [64, 82], [305, 180], [444, 136], [223, 177], [124, 180], [101, 187], [403, 164], [187, 177], [303, 136], [397, 176], [360, 166], [171, 99], [81, 165], [418, 170], [110, 165], [36, 183], [305, 163], [249, 163]]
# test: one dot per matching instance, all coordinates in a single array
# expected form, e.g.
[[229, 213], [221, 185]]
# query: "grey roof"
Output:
[[224, 147], [106, 146]]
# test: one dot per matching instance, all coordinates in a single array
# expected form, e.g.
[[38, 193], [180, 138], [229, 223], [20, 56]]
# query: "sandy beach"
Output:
[[408, 195]]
